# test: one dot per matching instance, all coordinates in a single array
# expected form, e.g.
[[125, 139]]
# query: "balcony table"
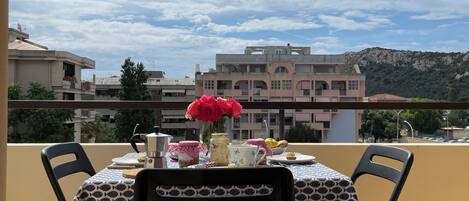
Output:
[[312, 182]]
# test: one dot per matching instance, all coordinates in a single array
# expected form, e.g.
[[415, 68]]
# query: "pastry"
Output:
[[291, 156], [141, 158]]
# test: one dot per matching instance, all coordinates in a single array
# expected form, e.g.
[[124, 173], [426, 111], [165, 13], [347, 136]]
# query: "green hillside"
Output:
[[434, 75]]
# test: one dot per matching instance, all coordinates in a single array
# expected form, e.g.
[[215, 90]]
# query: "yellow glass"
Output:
[[219, 148]]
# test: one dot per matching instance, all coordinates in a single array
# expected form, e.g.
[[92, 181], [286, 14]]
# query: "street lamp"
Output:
[[411, 129], [447, 126], [266, 128], [397, 125]]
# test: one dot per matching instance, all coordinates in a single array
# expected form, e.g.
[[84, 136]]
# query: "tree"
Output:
[[133, 79], [38, 125], [381, 124], [99, 130], [459, 118], [303, 133], [426, 121]]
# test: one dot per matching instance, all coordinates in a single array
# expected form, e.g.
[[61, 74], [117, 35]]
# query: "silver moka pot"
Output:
[[156, 144]]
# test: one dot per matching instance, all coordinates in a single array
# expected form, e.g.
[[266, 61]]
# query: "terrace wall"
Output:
[[440, 171]]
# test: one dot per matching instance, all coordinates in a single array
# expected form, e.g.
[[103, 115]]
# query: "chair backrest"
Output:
[[81, 164], [228, 184], [398, 177]]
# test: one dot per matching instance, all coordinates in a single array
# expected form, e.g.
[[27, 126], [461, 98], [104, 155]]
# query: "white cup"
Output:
[[244, 155]]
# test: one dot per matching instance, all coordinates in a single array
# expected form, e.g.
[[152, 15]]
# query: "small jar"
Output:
[[188, 153], [219, 149]]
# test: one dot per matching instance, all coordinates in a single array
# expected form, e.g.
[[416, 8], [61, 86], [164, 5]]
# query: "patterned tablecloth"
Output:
[[312, 182]]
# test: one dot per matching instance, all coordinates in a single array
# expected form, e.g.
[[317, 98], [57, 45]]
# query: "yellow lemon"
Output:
[[271, 143]]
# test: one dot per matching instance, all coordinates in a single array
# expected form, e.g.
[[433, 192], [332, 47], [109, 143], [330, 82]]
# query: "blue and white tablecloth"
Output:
[[312, 182]]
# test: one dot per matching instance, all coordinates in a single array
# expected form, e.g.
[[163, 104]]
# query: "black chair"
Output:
[[81, 164], [151, 184], [398, 177]]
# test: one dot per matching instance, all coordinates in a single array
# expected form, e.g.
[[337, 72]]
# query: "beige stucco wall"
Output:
[[440, 171], [32, 71], [11, 71]]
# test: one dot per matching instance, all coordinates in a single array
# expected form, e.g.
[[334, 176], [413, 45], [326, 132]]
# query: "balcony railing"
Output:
[[281, 106]]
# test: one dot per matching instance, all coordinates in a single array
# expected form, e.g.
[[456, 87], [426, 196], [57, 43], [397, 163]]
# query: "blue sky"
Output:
[[175, 35]]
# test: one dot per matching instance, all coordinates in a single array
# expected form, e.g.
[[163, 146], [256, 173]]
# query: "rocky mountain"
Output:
[[434, 75]]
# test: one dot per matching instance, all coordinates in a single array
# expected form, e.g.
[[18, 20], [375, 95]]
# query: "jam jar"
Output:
[[219, 148], [188, 153]]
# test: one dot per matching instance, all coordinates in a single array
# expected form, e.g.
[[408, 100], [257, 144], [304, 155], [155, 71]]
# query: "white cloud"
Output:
[[177, 34], [270, 23], [346, 22], [326, 45]]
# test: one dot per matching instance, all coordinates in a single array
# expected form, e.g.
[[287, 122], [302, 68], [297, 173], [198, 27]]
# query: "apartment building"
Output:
[[287, 74], [161, 89], [59, 71]]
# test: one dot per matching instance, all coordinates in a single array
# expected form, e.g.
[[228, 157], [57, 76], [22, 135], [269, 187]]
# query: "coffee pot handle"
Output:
[[134, 139]]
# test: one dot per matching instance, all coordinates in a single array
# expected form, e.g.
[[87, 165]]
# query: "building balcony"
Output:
[[260, 92], [177, 98], [330, 92], [320, 117], [225, 92], [88, 87], [173, 112], [238, 92], [188, 124], [88, 114]]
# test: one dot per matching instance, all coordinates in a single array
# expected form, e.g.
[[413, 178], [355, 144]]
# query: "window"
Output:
[[236, 122], [274, 119], [259, 118], [68, 96], [275, 84], [289, 121], [281, 70], [278, 51], [69, 69], [305, 92], [353, 84], [244, 118], [209, 84], [326, 124], [286, 84], [245, 134], [236, 134]]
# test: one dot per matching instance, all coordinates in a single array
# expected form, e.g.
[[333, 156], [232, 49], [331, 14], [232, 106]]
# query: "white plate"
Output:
[[126, 161], [300, 158]]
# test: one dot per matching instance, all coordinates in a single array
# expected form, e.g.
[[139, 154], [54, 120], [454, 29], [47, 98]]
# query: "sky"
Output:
[[173, 35]]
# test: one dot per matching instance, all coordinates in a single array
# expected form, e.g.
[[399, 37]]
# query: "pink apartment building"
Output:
[[287, 74]]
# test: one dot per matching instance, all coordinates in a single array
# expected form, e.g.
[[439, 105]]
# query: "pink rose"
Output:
[[236, 108], [208, 109]]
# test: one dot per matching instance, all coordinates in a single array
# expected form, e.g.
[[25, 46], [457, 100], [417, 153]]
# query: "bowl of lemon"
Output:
[[278, 147]]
